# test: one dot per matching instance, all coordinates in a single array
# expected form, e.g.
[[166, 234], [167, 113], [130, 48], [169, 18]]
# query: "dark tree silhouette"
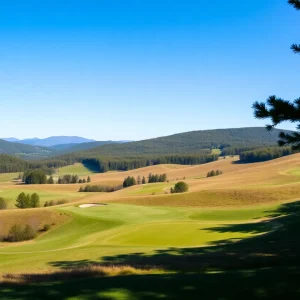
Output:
[[279, 110]]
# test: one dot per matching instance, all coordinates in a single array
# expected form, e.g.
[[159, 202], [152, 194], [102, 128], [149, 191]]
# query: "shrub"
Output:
[[3, 204], [214, 173], [180, 187], [46, 227], [99, 188], [17, 233]]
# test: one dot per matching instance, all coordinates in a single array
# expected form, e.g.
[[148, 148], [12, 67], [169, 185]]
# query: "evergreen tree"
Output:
[[3, 204], [89, 179], [50, 180], [21, 200], [279, 110], [144, 180], [35, 200], [139, 180]]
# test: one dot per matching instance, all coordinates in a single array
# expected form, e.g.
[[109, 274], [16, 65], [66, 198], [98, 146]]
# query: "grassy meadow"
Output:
[[238, 230]]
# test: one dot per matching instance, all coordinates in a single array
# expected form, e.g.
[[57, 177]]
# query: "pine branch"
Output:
[[290, 139], [296, 48], [295, 3]]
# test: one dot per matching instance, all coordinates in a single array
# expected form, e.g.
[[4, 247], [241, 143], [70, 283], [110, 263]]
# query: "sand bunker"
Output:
[[91, 205]]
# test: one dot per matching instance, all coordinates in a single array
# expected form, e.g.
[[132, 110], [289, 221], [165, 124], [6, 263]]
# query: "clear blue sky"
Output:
[[139, 69]]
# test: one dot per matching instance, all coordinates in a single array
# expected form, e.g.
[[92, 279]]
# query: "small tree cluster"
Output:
[[214, 173], [18, 233], [180, 187], [129, 181], [69, 178], [28, 201], [157, 178], [52, 202], [3, 204], [100, 188], [37, 176]]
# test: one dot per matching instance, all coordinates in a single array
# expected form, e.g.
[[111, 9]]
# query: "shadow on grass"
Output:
[[261, 284], [264, 267]]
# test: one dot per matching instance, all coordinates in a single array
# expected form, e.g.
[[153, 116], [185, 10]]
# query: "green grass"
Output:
[[295, 171], [117, 229], [150, 188], [216, 151], [8, 177], [10, 195], [78, 169], [255, 267]]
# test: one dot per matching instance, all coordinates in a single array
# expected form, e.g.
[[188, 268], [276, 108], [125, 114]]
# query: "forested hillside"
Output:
[[23, 150], [69, 148], [191, 142]]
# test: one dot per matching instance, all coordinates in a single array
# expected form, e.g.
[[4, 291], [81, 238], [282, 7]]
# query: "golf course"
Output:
[[114, 244]]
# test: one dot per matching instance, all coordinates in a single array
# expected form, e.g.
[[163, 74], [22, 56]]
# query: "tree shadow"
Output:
[[262, 267]]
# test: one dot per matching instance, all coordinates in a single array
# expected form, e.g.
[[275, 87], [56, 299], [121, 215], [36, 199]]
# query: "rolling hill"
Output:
[[24, 151], [68, 148], [190, 142]]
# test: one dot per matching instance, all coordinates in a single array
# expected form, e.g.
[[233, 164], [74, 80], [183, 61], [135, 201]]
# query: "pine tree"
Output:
[[21, 200], [139, 181], [50, 180], [144, 180], [279, 110], [3, 204], [89, 179], [34, 200]]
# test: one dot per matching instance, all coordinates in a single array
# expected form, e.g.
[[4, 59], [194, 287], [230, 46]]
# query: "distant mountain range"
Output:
[[51, 141]]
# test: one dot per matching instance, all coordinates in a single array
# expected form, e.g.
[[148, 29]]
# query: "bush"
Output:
[[58, 202], [3, 204], [214, 173], [100, 188], [18, 234], [180, 187], [46, 227]]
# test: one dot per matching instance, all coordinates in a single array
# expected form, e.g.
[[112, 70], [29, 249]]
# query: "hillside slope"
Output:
[[190, 142], [23, 150], [68, 148]]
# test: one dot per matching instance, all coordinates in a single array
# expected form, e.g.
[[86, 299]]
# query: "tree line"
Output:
[[38, 176], [264, 154], [100, 188], [152, 178]]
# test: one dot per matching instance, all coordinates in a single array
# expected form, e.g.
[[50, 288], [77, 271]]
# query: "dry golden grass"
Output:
[[37, 218], [241, 184], [78, 272]]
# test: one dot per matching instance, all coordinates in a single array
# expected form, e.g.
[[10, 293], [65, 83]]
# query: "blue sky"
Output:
[[141, 69]]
